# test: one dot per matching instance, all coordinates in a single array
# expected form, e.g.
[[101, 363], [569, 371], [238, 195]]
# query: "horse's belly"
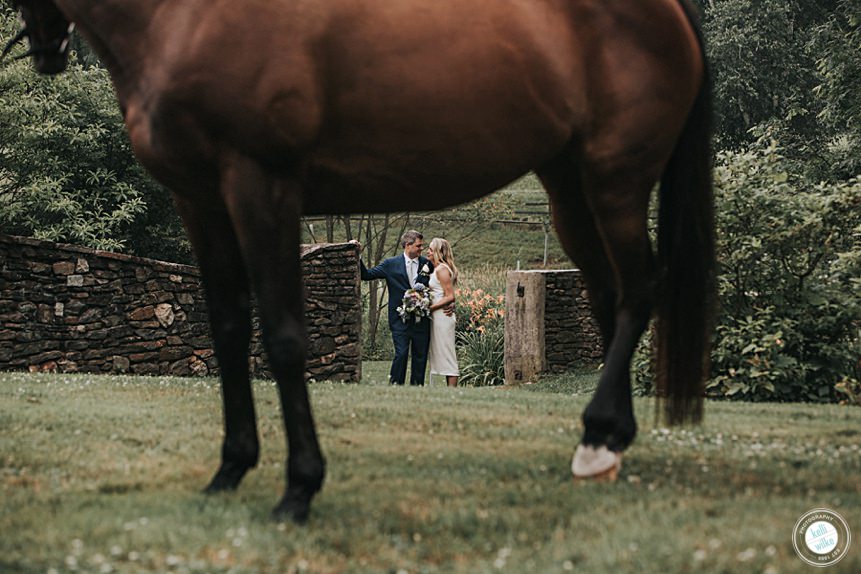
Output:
[[336, 191], [418, 174]]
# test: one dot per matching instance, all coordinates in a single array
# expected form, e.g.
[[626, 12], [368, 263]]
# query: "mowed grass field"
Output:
[[103, 474]]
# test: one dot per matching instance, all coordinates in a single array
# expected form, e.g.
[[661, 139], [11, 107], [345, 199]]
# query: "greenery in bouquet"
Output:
[[415, 304]]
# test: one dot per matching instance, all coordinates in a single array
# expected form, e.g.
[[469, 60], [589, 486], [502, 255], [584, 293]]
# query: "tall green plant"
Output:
[[481, 356]]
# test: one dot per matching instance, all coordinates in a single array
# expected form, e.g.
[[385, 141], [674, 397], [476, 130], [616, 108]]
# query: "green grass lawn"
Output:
[[104, 474]]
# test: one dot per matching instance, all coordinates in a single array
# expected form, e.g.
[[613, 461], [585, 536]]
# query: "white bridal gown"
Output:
[[442, 357]]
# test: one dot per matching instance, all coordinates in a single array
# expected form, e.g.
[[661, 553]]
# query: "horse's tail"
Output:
[[686, 261]]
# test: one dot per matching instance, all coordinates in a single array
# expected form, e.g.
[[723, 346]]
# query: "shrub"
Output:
[[790, 258], [789, 323], [67, 172]]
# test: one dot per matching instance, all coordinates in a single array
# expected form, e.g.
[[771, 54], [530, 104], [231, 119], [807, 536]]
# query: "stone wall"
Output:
[[70, 309], [549, 326], [571, 334]]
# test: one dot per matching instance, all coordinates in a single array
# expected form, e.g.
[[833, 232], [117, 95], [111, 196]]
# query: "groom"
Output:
[[402, 272]]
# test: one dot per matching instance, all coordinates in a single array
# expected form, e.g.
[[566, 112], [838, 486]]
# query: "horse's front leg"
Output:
[[227, 292], [265, 213]]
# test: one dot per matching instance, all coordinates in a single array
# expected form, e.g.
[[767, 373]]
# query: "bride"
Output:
[[442, 357]]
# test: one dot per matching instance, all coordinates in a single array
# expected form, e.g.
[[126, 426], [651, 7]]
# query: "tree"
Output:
[[762, 64], [839, 90]]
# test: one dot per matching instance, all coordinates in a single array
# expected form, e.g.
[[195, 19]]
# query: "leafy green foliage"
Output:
[[67, 172], [762, 67], [839, 69], [790, 261], [789, 281]]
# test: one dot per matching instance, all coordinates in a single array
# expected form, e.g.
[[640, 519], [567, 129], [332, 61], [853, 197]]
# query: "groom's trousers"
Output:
[[411, 341]]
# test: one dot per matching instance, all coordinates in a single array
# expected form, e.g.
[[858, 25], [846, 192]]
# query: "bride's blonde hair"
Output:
[[442, 252]]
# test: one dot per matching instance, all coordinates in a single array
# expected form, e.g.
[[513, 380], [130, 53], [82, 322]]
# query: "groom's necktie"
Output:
[[412, 271]]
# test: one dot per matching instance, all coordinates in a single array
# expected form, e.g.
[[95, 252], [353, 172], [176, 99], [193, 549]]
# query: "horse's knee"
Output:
[[306, 471], [286, 348], [232, 334], [241, 448]]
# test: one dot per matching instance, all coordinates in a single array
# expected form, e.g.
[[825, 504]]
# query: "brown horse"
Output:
[[256, 112]]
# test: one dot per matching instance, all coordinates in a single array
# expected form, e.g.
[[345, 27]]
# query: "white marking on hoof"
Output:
[[596, 463]]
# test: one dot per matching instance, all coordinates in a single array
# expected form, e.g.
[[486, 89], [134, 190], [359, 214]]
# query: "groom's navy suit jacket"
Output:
[[394, 271]]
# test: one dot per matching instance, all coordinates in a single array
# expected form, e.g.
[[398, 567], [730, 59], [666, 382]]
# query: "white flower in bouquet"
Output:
[[415, 304]]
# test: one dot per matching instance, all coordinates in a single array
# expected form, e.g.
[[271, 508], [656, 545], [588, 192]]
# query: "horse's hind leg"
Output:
[[265, 213], [579, 236], [601, 220], [227, 294]]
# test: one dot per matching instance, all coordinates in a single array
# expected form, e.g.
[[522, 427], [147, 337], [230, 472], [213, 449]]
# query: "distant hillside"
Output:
[[512, 233]]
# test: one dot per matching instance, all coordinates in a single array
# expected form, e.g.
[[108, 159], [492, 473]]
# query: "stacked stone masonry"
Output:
[[71, 309], [571, 334]]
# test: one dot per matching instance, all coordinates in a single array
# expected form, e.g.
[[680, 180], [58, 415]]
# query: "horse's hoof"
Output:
[[596, 464], [295, 508]]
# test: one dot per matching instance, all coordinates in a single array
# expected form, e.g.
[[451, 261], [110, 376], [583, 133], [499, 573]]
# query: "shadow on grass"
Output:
[[578, 382]]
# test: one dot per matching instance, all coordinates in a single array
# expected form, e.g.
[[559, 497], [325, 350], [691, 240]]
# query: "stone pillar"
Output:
[[524, 326], [549, 325]]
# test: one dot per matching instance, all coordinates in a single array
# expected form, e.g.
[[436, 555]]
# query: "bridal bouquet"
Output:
[[416, 303]]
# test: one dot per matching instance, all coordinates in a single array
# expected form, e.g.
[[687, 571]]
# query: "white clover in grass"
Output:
[[746, 555]]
